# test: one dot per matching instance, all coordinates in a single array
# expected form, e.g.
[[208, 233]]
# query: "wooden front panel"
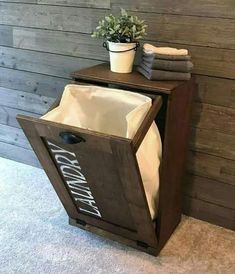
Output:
[[97, 180], [91, 177]]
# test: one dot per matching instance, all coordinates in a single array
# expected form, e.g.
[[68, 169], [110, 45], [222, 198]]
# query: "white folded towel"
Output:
[[149, 49]]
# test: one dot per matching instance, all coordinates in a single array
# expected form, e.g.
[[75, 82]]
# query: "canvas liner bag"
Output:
[[115, 112]]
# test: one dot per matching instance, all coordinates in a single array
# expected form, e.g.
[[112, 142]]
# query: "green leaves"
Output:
[[123, 28]]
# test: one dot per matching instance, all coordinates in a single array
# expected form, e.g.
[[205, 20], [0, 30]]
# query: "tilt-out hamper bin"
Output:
[[117, 206]]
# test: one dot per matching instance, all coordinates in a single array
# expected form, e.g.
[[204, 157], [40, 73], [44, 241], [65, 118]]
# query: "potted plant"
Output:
[[121, 34]]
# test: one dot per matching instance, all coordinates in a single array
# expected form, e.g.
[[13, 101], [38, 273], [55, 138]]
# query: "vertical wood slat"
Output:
[[43, 155], [173, 160], [127, 165]]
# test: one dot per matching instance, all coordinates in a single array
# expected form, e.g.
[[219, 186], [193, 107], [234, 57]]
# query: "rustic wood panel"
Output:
[[50, 17], [211, 90], [3, 116], [81, 3], [40, 62], [210, 191], [6, 36], [18, 154], [100, 4], [215, 118], [178, 29], [73, 44], [14, 136], [170, 28], [32, 82], [207, 61], [10, 114], [210, 212], [212, 8], [217, 168], [213, 142], [215, 91], [25, 100], [20, 1]]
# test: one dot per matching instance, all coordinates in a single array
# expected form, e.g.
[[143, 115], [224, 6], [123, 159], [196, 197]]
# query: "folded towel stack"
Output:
[[163, 63]]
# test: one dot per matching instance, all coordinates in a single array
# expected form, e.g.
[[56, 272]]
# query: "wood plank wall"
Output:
[[42, 41]]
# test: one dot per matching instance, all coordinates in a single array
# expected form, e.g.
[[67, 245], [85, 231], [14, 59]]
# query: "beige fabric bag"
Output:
[[116, 112]]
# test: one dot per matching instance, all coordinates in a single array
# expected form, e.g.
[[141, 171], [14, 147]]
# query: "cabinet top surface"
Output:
[[102, 74]]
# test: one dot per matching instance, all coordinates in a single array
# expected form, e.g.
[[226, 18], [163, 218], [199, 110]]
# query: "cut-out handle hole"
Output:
[[70, 138]]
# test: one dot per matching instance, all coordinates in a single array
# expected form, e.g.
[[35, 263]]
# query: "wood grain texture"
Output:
[[121, 166], [3, 116], [172, 167], [215, 91], [209, 212], [147, 122], [210, 90], [102, 75], [210, 191], [209, 166], [25, 100], [41, 62], [103, 4], [178, 29], [170, 28], [13, 136], [20, 1], [10, 115], [212, 8], [18, 154], [114, 237], [213, 143], [66, 43], [208, 61], [6, 36], [44, 157], [50, 17], [215, 118], [100, 4], [32, 82]]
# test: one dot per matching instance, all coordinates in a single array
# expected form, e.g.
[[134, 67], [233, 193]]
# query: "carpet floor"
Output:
[[35, 237]]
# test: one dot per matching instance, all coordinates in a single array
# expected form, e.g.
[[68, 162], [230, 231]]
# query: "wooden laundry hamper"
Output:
[[111, 200]]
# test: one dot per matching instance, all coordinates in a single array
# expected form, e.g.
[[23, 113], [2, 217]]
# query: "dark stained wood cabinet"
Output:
[[119, 208]]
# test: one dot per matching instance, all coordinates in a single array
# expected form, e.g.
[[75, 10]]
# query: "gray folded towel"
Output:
[[152, 56], [162, 74], [179, 66]]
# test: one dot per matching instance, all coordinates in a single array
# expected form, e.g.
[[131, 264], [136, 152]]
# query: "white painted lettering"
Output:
[[75, 180]]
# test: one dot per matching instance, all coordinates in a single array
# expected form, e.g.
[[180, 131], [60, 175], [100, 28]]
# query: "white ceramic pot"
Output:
[[121, 56]]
